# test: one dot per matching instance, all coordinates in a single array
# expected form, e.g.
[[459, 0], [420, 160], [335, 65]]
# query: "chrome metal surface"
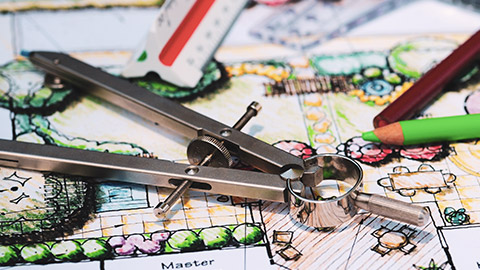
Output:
[[162, 111], [331, 212], [208, 151], [138, 170], [163, 207], [279, 165], [203, 151], [54, 82], [402, 211], [252, 110]]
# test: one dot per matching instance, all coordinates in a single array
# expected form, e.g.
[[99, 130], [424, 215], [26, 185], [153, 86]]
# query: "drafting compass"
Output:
[[284, 177]]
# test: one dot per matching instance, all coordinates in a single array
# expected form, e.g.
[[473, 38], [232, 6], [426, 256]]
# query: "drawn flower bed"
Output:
[[380, 86], [22, 90], [296, 148], [381, 77], [376, 154], [214, 77], [275, 70], [161, 242]]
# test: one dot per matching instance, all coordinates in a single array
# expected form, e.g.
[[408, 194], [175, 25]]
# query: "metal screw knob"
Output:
[[206, 150]]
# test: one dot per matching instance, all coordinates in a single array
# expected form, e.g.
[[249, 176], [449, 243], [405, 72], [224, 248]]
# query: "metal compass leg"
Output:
[[206, 151]]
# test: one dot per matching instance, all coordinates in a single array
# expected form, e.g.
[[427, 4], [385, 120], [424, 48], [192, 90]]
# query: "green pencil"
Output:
[[428, 130]]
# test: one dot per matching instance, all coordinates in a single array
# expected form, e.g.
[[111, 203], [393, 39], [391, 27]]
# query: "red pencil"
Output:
[[430, 85]]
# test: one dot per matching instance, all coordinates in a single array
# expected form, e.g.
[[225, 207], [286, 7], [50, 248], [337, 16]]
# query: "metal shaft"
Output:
[[162, 111], [166, 205], [405, 212], [252, 111], [101, 166]]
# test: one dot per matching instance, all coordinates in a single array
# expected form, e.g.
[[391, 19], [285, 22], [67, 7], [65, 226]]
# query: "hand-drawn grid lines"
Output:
[[195, 210]]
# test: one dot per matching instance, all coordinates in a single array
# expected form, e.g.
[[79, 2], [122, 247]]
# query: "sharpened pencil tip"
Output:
[[370, 136]]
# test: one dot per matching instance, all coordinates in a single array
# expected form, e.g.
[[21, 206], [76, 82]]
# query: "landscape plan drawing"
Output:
[[314, 100]]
